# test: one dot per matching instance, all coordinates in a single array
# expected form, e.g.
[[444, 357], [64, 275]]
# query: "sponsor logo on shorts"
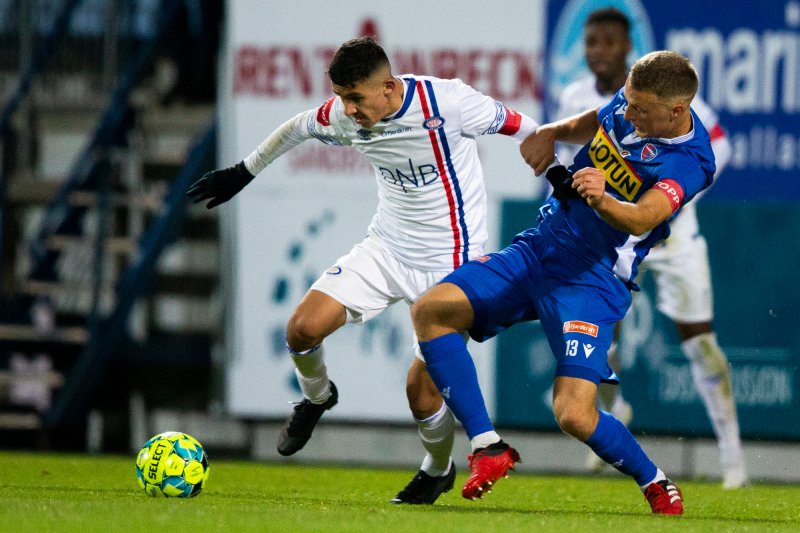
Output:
[[433, 123], [577, 326], [335, 270]]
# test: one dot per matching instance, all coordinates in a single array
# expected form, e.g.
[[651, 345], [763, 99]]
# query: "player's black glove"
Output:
[[220, 185], [561, 180]]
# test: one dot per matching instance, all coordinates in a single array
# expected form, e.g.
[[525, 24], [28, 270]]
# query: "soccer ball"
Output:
[[172, 464]]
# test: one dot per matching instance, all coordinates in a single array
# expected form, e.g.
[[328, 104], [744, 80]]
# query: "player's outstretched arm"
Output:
[[538, 149], [219, 186]]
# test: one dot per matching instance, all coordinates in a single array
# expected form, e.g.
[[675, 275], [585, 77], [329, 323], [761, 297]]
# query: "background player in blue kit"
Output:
[[574, 271], [680, 265]]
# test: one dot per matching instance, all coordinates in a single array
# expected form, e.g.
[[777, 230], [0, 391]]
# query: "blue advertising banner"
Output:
[[755, 301], [749, 66]]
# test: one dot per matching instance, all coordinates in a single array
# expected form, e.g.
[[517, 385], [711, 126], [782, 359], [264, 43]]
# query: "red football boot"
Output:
[[664, 497], [486, 466]]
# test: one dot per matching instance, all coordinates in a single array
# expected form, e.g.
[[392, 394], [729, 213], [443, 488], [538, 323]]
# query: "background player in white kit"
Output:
[[680, 265], [419, 133]]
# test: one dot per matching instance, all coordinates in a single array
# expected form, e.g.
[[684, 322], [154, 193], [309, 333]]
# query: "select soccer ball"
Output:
[[172, 464]]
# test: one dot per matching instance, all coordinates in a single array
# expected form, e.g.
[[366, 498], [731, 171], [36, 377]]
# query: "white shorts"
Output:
[[370, 278], [681, 271]]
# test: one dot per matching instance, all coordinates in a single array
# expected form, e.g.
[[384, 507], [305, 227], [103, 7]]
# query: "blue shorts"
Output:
[[577, 302]]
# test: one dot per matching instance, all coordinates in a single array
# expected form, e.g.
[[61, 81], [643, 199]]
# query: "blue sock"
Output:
[[452, 370], [613, 443]]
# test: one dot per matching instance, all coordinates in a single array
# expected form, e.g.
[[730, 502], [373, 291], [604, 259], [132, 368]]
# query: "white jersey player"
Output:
[[419, 134], [680, 265], [432, 200]]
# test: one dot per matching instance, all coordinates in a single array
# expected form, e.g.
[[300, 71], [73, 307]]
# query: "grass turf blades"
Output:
[[56, 492]]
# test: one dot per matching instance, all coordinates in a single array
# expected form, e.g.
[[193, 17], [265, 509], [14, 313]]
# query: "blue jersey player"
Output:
[[646, 154]]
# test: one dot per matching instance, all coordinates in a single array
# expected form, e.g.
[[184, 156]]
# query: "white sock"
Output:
[[312, 374], [610, 396], [618, 406], [484, 439], [660, 476], [436, 433], [712, 378]]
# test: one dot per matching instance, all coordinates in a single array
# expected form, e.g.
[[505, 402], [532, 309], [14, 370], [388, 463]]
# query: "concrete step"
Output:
[[62, 340], [186, 284], [27, 192], [167, 133], [113, 245]]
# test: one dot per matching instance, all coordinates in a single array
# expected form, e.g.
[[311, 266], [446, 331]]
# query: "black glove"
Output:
[[561, 180], [220, 185]]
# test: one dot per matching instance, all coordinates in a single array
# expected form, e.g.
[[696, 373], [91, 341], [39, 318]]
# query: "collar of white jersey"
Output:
[[408, 95]]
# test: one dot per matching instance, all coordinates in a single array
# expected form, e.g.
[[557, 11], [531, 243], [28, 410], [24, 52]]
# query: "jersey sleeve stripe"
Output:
[[324, 112], [451, 200], [512, 123], [310, 127], [672, 190]]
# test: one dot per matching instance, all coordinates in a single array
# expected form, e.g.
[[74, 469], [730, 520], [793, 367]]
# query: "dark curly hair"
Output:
[[356, 60], [610, 14]]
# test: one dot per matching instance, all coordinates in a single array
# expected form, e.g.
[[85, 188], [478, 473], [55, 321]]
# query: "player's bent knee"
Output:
[[424, 406], [443, 309], [578, 422], [704, 352], [302, 333], [422, 401], [423, 316]]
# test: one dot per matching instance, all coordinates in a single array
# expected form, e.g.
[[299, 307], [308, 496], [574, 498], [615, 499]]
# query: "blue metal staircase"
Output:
[[103, 335]]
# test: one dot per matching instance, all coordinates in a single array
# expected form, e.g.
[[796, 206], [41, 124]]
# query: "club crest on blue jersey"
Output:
[[433, 123], [335, 270], [649, 152]]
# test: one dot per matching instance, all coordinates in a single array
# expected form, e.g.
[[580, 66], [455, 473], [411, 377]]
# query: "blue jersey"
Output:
[[573, 271], [680, 167]]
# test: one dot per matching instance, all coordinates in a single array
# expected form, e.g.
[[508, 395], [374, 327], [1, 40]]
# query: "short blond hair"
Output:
[[667, 74]]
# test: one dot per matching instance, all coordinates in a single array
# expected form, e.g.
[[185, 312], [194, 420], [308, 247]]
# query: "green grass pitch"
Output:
[[81, 493]]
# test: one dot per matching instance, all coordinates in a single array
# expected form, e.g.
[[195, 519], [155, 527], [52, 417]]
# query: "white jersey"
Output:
[[431, 195]]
